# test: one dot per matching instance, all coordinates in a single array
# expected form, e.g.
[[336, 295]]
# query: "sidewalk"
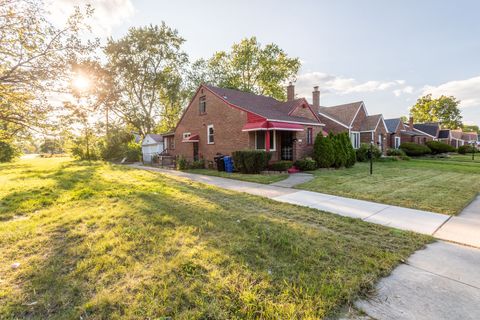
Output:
[[402, 218]]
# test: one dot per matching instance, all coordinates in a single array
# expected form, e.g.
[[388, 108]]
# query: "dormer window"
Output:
[[202, 105]]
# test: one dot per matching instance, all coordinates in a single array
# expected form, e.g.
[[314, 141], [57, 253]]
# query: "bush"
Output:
[[133, 152], [339, 151], [250, 161], [8, 151], [281, 165], [199, 164], [116, 145], [396, 152], [182, 163], [362, 152], [465, 149], [351, 157], [415, 149], [439, 147], [307, 164], [323, 151]]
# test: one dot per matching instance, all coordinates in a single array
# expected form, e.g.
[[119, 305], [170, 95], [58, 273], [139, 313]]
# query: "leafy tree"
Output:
[[8, 151], [444, 110], [248, 67], [35, 57], [52, 146], [147, 66], [470, 128], [323, 151]]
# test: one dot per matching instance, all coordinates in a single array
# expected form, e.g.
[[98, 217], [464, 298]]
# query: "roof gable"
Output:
[[344, 113], [371, 122], [393, 124]]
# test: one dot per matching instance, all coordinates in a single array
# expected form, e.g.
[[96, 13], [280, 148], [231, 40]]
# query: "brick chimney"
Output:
[[290, 92], [410, 123], [316, 99]]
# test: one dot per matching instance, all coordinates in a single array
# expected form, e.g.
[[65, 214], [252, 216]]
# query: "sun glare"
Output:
[[81, 83]]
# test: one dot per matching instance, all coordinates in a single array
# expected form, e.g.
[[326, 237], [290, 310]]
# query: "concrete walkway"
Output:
[[293, 180]]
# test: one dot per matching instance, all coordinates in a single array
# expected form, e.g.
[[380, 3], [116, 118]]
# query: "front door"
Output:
[[195, 151], [286, 151]]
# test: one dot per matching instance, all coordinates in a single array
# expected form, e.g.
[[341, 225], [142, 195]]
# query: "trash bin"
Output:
[[228, 163], [219, 161]]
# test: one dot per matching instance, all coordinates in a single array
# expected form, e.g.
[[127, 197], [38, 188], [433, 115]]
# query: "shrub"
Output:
[[281, 165], [182, 163], [439, 147], [8, 151], [250, 161], [307, 164], [395, 152], [465, 149], [323, 151], [415, 149], [362, 152], [133, 152], [351, 157], [339, 151], [199, 164]]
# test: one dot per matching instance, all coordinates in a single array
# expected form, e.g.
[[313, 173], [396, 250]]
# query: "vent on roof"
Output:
[[225, 97]]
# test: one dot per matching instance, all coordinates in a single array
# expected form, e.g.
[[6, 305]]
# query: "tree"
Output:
[[147, 66], [470, 128], [444, 110], [323, 151], [35, 57], [351, 156], [248, 67], [339, 150]]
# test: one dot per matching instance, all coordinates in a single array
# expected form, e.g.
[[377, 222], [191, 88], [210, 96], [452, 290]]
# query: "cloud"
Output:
[[329, 83], [468, 91], [107, 14]]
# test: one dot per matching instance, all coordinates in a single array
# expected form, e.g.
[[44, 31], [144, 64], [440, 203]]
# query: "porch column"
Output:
[[267, 140]]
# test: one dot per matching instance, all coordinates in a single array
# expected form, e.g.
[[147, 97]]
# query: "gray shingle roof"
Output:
[[264, 106], [156, 137], [344, 113], [429, 128], [392, 124], [443, 134]]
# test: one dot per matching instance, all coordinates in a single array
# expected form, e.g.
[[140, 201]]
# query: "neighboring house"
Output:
[[354, 119], [169, 143], [470, 137], [452, 137], [152, 144], [221, 121], [396, 131]]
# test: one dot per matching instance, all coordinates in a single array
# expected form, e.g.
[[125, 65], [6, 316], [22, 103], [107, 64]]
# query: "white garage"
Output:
[[152, 144]]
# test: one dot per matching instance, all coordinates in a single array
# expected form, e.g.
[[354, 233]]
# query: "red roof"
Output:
[[194, 138], [272, 125]]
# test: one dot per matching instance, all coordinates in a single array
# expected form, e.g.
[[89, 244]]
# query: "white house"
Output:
[[152, 144]]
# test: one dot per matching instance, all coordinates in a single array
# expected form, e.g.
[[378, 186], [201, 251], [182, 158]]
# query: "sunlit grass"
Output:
[[258, 178], [438, 185], [101, 241]]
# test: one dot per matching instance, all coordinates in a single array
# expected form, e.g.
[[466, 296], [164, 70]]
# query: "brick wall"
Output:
[[332, 126]]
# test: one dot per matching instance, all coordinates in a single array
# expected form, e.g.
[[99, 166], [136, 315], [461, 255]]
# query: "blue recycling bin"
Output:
[[228, 163]]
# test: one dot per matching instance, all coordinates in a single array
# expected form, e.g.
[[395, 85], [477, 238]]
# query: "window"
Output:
[[171, 140], [202, 105], [260, 140], [397, 142], [355, 138], [309, 136], [210, 134], [186, 135]]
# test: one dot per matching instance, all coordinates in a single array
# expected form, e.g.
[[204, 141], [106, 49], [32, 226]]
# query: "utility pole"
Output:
[[370, 156]]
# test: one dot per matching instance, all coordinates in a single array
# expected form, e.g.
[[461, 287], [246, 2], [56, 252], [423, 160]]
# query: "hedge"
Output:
[[414, 149], [465, 149], [323, 151], [362, 152], [439, 147], [282, 165], [250, 161], [307, 164]]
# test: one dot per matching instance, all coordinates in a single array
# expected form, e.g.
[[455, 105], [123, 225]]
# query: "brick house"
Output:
[[354, 119], [400, 132], [221, 121]]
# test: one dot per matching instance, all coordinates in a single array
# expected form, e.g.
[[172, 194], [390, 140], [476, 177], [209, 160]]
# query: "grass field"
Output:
[[100, 241], [258, 178], [438, 185]]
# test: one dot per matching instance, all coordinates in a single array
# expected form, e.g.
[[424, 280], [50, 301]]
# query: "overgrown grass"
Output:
[[258, 178], [99, 241], [438, 185]]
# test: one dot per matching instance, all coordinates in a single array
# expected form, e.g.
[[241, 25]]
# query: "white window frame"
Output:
[[398, 142], [355, 139], [208, 134], [186, 135], [309, 143], [272, 148], [202, 100]]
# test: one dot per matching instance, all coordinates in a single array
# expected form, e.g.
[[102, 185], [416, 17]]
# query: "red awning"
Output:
[[272, 125], [194, 138]]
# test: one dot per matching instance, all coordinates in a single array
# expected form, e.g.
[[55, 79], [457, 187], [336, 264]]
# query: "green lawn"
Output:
[[259, 178], [102, 241], [438, 185]]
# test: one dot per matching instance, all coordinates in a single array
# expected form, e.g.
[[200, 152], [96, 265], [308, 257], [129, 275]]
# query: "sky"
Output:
[[385, 53]]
